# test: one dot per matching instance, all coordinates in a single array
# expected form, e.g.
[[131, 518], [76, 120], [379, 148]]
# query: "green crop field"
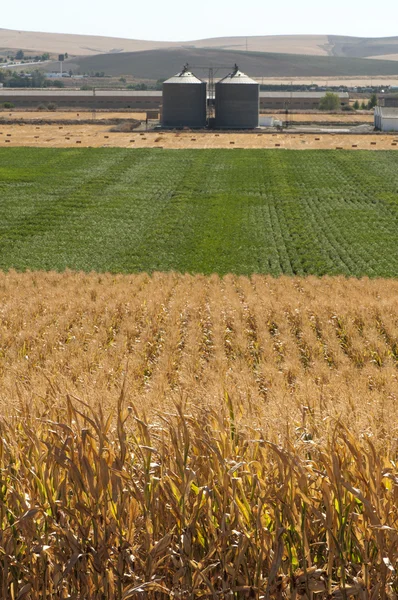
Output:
[[242, 211]]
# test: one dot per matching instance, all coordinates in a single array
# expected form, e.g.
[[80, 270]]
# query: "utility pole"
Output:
[[94, 97], [211, 92]]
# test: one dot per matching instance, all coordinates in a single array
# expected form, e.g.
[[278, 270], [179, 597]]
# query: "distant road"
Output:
[[25, 64]]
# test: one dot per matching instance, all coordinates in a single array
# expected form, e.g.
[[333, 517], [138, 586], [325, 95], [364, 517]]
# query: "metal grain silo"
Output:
[[184, 101], [237, 101]]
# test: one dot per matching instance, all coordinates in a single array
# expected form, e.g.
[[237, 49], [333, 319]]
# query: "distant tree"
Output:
[[373, 101], [45, 56], [19, 55], [38, 79], [363, 106], [356, 105], [16, 81], [137, 86], [8, 105], [66, 55], [330, 101], [122, 79]]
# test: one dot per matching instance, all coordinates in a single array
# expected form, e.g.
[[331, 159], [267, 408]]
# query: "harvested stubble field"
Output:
[[199, 211], [67, 115], [195, 437], [343, 117], [84, 115], [100, 136]]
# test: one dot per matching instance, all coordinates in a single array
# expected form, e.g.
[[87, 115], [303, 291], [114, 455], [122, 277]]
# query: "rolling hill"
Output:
[[158, 64], [89, 45]]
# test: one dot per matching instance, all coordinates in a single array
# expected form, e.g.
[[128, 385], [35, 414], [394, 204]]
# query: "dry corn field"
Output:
[[175, 436]]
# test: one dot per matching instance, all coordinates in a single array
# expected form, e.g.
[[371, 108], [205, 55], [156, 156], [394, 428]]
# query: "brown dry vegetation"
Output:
[[251, 453]]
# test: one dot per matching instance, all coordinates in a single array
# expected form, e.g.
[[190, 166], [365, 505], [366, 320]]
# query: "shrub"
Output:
[[8, 105], [126, 126], [330, 101]]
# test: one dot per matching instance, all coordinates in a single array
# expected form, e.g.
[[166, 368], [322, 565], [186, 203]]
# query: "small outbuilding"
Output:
[[386, 119], [388, 100]]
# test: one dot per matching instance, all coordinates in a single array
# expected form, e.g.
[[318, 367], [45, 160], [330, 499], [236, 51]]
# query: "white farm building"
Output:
[[386, 119]]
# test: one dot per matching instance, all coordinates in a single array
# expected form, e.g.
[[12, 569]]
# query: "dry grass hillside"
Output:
[[75, 45], [88, 45], [196, 437]]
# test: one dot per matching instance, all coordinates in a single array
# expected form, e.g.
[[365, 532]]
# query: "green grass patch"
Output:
[[241, 211]]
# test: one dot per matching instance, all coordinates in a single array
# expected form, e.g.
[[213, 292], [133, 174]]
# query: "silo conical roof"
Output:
[[184, 101], [185, 76], [237, 77]]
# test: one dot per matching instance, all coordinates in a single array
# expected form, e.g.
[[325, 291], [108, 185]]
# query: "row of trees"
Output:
[[366, 105], [21, 56], [36, 79], [331, 102]]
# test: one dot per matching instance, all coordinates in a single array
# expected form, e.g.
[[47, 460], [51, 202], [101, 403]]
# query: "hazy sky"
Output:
[[178, 20]]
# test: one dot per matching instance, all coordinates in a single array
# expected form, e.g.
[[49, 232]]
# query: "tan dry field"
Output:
[[349, 81], [327, 118], [86, 45], [66, 115], [67, 136], [139, 115], [75, 45], [386, 57], [177, 436]]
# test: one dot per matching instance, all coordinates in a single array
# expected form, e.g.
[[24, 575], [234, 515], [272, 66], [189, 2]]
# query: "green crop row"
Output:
[[266, 211]]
